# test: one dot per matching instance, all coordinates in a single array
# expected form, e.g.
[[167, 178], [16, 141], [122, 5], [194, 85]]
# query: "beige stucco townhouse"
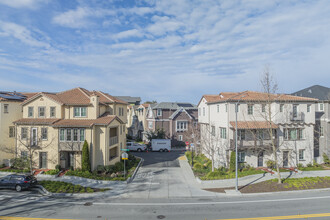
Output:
[[59, 123]]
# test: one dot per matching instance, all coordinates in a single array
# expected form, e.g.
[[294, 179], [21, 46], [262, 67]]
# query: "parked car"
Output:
[[133, 146], [161, 145], [18, 182]]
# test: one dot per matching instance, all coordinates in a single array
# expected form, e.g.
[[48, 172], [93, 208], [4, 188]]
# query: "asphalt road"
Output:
[[31, 204]]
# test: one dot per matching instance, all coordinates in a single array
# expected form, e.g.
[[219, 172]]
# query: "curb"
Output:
[[286, 192], [42, 190], [130, 179]]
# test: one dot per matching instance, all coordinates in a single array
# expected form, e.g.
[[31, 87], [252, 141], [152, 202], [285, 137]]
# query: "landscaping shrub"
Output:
[[188, 155], [119, 166], [300, 165], [232, 164], [52, 172], [208, 164], [21, 163], [326, 159], [86, 163], [2, 166], [58, 167], [100, 168], [110, 168], [309, 165], [198, 166], [271, 164]]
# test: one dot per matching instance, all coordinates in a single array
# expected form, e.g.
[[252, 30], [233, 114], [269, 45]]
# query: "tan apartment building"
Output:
[[59, 123]]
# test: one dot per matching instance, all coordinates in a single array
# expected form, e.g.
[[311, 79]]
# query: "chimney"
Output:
[[94, 100]]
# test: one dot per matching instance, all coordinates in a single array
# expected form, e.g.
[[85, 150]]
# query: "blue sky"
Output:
[[173, 50]]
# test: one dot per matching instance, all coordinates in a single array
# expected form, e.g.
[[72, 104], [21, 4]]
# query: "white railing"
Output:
[[113, 140]]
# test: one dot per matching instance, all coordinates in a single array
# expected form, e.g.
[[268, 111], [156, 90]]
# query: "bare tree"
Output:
[[193, 136]]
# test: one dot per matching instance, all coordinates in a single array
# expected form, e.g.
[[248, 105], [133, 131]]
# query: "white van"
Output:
[[132, 146], [161, 145]]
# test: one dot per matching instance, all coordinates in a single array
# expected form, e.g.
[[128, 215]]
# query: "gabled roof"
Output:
[[129, 99], [179, 111], [76, 96], [316, 91], [253, 125], [173, 105], [36, 121], [254, 96]]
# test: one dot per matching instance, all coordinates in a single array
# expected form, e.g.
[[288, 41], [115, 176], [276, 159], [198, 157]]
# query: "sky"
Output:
[[167, 50]]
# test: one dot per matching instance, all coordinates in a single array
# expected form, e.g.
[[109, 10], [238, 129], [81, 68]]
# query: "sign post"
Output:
[[124, 156]]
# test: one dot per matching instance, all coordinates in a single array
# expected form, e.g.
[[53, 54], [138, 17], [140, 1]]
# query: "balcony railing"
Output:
[[252, 143], [113, 140], [297, 116]]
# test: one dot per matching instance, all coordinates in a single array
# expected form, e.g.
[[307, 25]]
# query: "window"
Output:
[[11, 131], [241, 135], [181, 125], [226, 107], [308, 108], [24, 154], [80, 111], [295, 110], [263, 108], [199, 111], [150, 125], [44, 133], [321, 107], [30, 112], [281, 107], [121, 130], [68, 135], [113, 153], [301, 154], [321, 131], [180, 137], [82, 134], [24, 132], [260, 134], [223, 133], [5, 108], [41, 112], [218, 108], [213, 131], [52, 112], [75, 134], [203, 111], [241, 157], [159, 112], [62, 134], [34, 137], [293, 134], [250, 109]]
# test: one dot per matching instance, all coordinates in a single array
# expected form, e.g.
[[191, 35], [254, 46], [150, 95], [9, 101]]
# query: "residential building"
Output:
[[10, 110], [59, 123], [174, 118], [132, 119], [141, 113], [291, 125], [130, 100], [322, 119]]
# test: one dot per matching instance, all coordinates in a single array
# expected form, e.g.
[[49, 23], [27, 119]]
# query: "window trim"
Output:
[[184, 126], [5, 108], [32, 108], [250, 109], [301, 153], [159, 112], [80, 112], [13, 133], [42, 134], [321, 104], [41, 107], [50, 112], [309, 108], [26, 133], [223, 133]]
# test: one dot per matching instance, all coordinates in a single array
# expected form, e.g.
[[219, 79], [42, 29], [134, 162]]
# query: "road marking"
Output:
[[25, 218], [284, 217]]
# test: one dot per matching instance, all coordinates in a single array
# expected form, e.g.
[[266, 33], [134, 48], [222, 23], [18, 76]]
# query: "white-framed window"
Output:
[[150, 125], [11, 131], [52, 112], [44, 133], [241, 157], [30, 112], [41, 112], [159, 112], [62, 134], [302, 154], [241, 134], [321, 107], [68, 134], [308, 108], [263, 108], [223, 133], [75, 134], [34, 136], [281, 107], [250, 109], [213, 130], [82, 134], [181, 125], [24, 133], [218, 108], [321, 131], [80, 111], [293, 134], [203, 111], [295, 110], [5, 108], [180, 137]]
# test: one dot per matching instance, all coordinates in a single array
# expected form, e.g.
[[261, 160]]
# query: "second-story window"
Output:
[[62, 134], [263, 108], [80, 111], [44, 133], [223, 133], [82, 134], [203, 111], [241, 135], [218, 108], [321, 107], [181, 125], [308, 108], [68, 135], [159, 112], [5, 108], [199, 111], [41, 112], [24, 132], [52, 112], [295, 110], [30, 112], [213, 130], [250, 109], [75, 134], [11, 131], [281, 107]]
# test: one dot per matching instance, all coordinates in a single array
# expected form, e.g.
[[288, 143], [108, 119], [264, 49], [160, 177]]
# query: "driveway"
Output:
[[164, 175]]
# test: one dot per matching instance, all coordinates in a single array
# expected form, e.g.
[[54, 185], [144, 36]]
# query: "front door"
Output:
[[43, 160], [261, 159], [285, 158], [71, 160]]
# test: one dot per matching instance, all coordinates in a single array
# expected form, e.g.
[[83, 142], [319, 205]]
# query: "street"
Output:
[[159, 175]]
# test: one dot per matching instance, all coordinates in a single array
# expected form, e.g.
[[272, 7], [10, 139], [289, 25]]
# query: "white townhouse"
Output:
[[292, 125]]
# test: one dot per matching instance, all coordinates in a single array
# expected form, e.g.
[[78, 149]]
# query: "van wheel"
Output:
[[139, 150], [161, 150], [18, 188], [166, 150]]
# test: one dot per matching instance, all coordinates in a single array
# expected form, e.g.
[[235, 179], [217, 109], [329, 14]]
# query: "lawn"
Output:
[[287, 185], [63, 187]]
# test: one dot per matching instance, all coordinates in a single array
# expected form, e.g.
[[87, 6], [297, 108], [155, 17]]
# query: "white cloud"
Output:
[[22, 3], [127, 34]]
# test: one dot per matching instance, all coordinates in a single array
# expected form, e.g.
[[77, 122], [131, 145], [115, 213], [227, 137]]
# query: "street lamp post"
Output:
[[236, 156]]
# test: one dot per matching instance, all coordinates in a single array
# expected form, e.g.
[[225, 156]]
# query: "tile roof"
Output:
[[146, 105], [36, 121], [253, 124], [77, 96], [253, 96]]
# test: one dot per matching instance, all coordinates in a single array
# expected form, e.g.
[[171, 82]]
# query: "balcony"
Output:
[[252, 144], [113, 136], [113, 140], [297, 116]]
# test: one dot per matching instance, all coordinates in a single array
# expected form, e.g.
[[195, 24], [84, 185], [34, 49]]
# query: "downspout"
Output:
[[91, 148]]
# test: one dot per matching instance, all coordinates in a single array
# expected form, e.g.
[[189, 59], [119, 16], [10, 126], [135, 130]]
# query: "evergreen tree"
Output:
[[232, 164], [86, 163]]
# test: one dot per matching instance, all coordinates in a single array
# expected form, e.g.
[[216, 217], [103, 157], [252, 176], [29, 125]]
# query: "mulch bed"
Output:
[[271, 186]]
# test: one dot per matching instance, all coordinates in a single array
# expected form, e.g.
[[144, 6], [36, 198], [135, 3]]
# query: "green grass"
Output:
[[16, 170], [302, 183], [52, 172], [63, 187]]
